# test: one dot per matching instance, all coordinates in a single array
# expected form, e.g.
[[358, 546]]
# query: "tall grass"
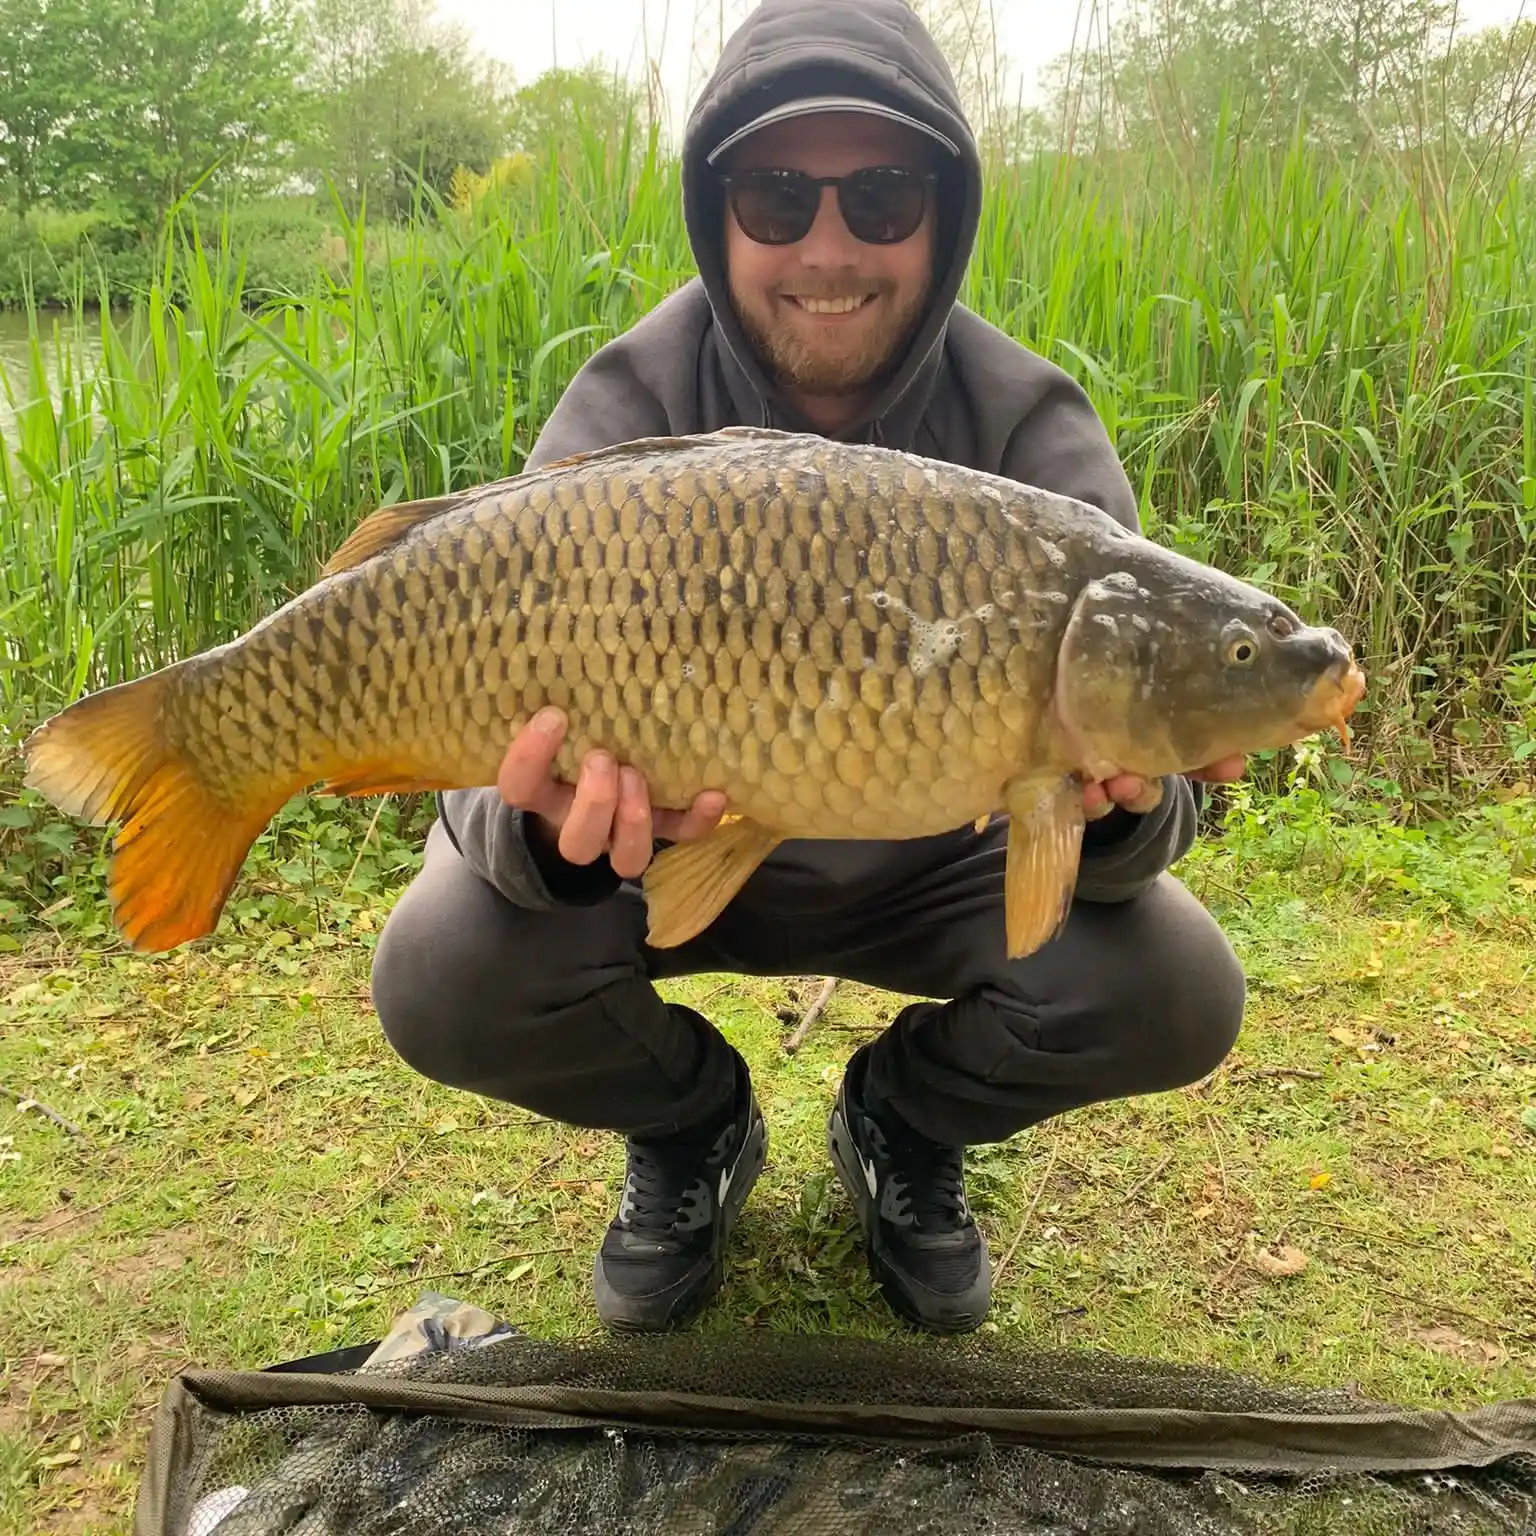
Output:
[[1319, 377]]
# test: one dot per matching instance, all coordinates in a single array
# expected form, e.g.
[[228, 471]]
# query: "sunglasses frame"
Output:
[[926, 181]]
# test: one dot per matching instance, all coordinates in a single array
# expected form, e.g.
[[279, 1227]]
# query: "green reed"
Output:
[[1319, 376]]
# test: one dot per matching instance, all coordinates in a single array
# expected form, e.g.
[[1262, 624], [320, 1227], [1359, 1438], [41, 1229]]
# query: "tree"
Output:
[[1182, 72], [551, 111], [201, 86], [37, 96], [1477, 98], [395, 96]]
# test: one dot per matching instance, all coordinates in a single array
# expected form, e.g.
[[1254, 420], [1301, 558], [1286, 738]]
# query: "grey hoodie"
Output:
[[965, 392]]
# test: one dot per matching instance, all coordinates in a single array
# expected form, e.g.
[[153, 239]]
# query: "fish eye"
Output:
[[1241, 650]]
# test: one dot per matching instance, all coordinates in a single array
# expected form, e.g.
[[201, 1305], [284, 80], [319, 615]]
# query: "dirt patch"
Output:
[[62, 1221], [156, 1255], [88, 1499], [1443, 1340]]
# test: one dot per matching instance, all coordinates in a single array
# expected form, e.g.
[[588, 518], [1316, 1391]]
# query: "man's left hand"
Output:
[[1134, 793]]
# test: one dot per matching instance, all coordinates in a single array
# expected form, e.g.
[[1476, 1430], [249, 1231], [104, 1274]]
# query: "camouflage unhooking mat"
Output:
[[455, 1423]]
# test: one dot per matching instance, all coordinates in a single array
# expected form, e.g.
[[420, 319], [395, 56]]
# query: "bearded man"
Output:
[[832, 188]]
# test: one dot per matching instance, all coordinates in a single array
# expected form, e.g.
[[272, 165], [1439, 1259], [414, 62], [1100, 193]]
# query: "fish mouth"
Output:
[[1333, 699]]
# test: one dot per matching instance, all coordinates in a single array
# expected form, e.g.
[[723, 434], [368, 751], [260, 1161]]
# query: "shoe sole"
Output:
[[941, 1315], [682, 1301]]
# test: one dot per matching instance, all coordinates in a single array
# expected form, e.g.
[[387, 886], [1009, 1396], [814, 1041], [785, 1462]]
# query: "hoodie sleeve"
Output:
[[1061, 445], [605, 403]]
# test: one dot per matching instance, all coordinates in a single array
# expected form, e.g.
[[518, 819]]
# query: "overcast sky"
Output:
[[532, 35]]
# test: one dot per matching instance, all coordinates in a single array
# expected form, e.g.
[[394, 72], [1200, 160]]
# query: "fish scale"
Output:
[[847, 641]]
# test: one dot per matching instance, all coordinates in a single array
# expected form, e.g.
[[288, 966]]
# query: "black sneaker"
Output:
[[663, 1256], [920, 1240]]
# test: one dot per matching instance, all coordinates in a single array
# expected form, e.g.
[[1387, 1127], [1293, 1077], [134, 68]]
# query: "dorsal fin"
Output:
[[381, 529]]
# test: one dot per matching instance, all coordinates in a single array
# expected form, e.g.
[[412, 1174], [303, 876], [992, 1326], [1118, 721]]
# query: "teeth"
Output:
[[832, 306]]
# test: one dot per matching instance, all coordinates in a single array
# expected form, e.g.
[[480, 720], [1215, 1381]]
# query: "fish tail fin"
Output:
[[107, 758]]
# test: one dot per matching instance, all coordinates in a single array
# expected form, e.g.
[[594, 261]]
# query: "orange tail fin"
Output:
[[106, 759]]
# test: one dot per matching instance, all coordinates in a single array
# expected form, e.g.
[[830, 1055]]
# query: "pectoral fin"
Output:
[[1045, 836], [688, 885]]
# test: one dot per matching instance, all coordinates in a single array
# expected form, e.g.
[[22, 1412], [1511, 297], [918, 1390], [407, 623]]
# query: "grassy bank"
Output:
[[1324, 381], [249, 1174]]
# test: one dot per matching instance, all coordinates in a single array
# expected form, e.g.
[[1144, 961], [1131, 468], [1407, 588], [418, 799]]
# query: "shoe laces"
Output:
[[661, 1175], [930, 1182]]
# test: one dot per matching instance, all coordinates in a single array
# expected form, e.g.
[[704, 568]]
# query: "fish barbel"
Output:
[[847, 641]]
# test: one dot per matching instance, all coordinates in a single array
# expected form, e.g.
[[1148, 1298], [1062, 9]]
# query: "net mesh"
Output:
[[580, 1461]]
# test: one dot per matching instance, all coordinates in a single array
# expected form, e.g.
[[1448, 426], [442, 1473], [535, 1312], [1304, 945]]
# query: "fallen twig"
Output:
[[26, 1101], [1156, 1172], [402, 1157], [1341, 1226], [1428, 1305], [293, 997], [1018, 1237], [796, 1040], [464, 1274], [73, 1214], [1244, 1074]]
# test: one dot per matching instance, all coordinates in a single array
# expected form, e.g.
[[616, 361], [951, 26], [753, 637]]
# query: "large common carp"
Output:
[[848, 641]]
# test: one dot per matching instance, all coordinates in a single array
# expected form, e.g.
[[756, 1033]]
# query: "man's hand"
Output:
[[608, 809], [1141, 795]]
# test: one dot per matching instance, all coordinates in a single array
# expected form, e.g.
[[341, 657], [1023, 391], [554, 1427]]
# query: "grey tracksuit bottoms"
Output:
[[556, 1011]]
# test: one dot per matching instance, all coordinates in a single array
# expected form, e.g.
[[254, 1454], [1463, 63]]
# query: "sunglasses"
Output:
[[880, 204]]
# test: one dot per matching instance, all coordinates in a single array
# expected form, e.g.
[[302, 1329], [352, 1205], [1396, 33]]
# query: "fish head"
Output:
[[1168, 666]]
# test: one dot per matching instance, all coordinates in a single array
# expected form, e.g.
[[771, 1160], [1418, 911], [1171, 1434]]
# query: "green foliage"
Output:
[[56, 260], [1378, 77], [129, 106], [551, 117], [396, 101]]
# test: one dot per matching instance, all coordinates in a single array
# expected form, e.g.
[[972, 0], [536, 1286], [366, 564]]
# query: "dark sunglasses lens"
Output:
[[882, 206], [774, 207]]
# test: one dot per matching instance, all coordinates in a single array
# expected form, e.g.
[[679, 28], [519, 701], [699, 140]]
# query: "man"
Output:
[[515, 965]]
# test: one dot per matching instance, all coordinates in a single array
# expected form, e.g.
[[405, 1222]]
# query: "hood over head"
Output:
[[787, 50]]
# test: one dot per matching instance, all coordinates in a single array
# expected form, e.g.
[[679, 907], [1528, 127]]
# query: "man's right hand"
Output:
[[608, 809]]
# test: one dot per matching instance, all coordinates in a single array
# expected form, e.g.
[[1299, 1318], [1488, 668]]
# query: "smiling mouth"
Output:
[[843, 306]]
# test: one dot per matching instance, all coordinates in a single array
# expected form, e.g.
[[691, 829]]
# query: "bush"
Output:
[[64, 258]]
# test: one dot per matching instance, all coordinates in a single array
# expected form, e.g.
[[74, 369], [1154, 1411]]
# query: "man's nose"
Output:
[[828, 242]]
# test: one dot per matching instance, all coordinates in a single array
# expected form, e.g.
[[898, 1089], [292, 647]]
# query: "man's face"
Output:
[[794, 300]]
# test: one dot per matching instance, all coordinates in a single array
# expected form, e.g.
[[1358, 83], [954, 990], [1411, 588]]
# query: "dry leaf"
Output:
[[47, 1361], [246, 1097], [1342, 1036], [1447, 1341], [1499, 1150], [1279, 1262]]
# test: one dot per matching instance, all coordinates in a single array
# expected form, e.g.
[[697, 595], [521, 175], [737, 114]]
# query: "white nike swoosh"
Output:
[[869, 1176]]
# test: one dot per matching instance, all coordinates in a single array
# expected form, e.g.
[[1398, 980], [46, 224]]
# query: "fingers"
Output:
[[608, 810], [1125, 789], [525, 778], [589, 821], [630, 850], [699, 820], [1225, 771], [1136, 794], [1095, 802]]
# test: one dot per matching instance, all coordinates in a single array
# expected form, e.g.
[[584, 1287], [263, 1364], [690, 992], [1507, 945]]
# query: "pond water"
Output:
[[15, 354]]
